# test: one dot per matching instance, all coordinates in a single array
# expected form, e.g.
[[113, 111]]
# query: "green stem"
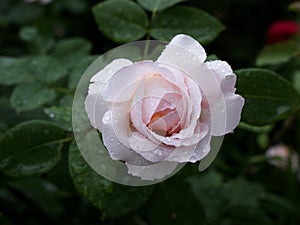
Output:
[[62, 90]]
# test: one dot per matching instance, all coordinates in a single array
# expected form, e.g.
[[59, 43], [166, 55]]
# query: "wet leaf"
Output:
[[78, 71], [88, 182], [264, 103], [29, 148], [71, 51], [62, 116], [186, 20], [14, 70], [158, 5], [276, 54], [47, 69], [29, 96], [174, 204], [42, 193], [126, 199], [121, 21]]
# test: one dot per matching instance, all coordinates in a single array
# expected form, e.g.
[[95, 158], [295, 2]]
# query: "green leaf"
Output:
[[42, 193], [88, 182], [125, 199], [206, 188], [29, 148], [62, 116], [239, 192], [268, 96], [112, 199], [158, 5], [29, 96], [29, 34], [47, 69], [14, 70], [174, 204], [121, 21], [276, 54], [71, 51], [78, 71], [186, 20]]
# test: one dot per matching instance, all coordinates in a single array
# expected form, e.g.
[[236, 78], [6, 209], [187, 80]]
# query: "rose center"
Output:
[[165, 122]]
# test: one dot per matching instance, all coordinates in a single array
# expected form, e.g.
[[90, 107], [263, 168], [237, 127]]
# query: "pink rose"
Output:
[[282, 157], [154, 115]]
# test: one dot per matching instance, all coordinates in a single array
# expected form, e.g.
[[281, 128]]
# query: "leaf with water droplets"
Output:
[[121, 21], [276, 54], [88, 182], [60, 115], [78, 71], [29, 96], [47, 69], [158, 5], [14, 70], [112, 199], [126, 199], [186, 20], [71, 50], [268, 96], [31, 147], [170, 207]]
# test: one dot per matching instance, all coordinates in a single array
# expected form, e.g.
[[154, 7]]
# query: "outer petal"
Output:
[[174, 55], [155, 171], [93, 102], [122, 85], [224, 74], [104, 74], [115, 142], [234, 103], [95, 105]]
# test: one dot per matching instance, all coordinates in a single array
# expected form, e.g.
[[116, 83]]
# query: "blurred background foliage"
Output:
[[45, 49]]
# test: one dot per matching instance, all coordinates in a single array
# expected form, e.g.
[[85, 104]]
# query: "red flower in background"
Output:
[[281, 30]]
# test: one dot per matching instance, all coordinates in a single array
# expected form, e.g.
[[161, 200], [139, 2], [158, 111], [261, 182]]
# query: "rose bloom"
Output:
[[281, 31], [154, 115], [282, 157]]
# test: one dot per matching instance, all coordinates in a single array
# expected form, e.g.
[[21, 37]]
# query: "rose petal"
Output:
[[104, 74], [224, 74], [234, 105], [156, 171], [115, 143], [95, 104], [231, 114], [122, 85], [149, 150], [174, 55]]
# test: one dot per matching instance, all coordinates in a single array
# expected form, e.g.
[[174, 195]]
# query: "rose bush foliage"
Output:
[[45, 50]]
